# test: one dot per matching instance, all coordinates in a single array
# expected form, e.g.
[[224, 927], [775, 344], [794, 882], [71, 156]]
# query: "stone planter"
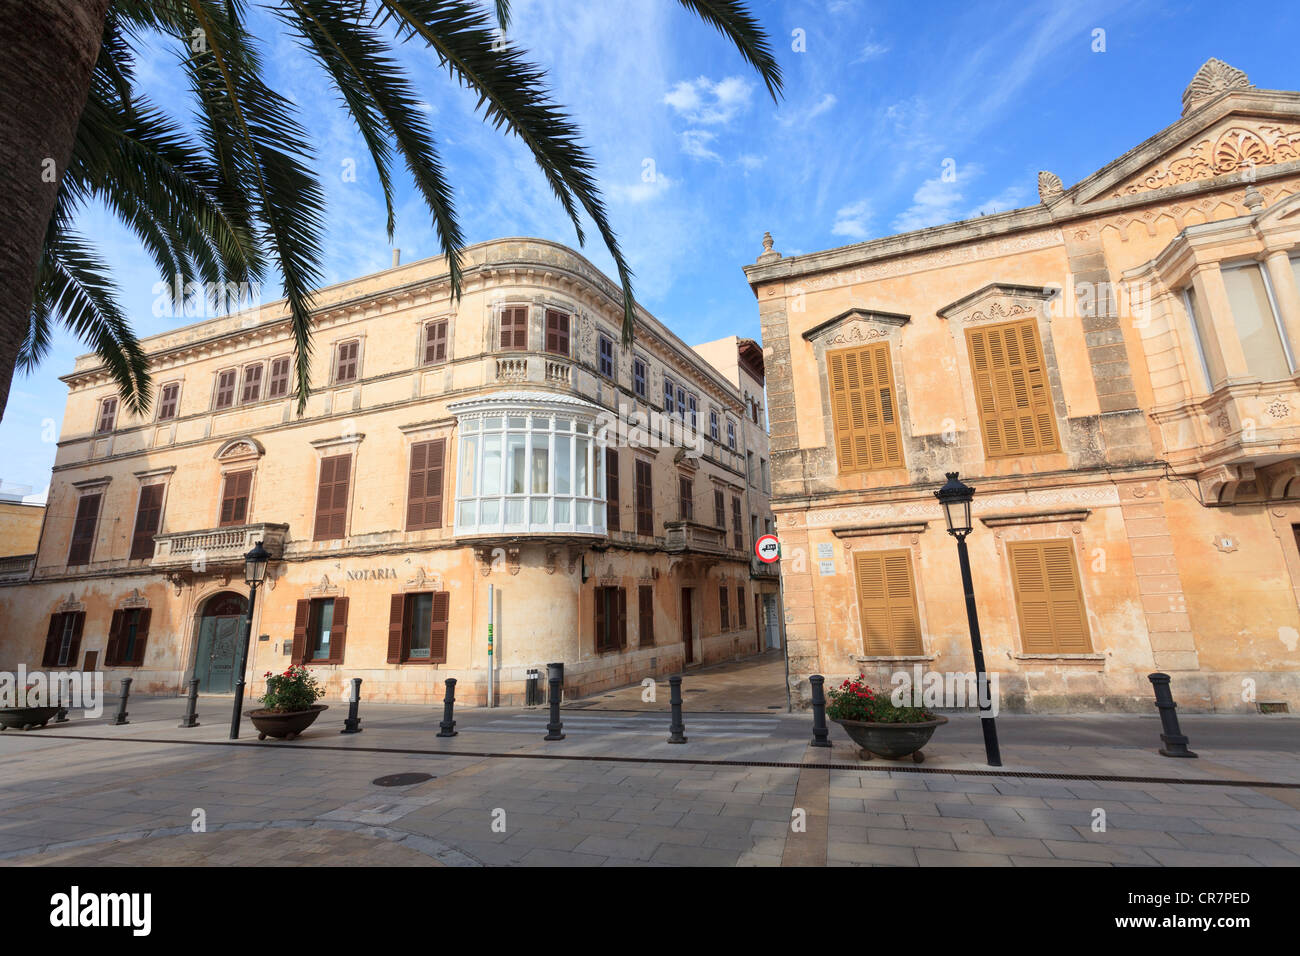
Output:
[[891, 741], [26, 717], [284, 726]]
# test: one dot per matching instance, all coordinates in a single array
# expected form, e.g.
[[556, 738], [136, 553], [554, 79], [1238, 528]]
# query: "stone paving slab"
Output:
[[125, 799]]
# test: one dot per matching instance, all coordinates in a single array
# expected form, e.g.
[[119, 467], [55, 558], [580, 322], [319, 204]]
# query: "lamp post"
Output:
[[255, 563], [956, 498]]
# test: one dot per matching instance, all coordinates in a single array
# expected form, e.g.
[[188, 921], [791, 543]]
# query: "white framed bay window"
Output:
[[529, 463]]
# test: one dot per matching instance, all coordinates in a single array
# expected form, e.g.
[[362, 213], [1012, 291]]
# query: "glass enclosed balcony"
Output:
[[528, 463]]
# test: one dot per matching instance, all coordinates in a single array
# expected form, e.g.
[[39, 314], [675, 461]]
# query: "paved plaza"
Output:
[[747, 789]]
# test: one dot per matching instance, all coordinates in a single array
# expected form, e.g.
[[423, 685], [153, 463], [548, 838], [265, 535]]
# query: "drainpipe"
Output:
[[491, 621]]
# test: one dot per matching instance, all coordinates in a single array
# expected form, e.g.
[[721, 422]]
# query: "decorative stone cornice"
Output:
[[1035, 517]]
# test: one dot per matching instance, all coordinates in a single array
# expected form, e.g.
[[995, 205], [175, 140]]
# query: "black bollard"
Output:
[[62, 716], [121, 704], [448, 726], [191, 718], [677, 729], [821, 737], [353, 723], [555, 678], [1175, 742]]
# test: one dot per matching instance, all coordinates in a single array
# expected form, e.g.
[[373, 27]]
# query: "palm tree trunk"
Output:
[[47, 53]]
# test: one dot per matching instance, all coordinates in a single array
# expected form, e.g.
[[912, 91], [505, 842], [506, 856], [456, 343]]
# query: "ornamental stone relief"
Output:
[[999, 312], [1240, 146], [858, 332]]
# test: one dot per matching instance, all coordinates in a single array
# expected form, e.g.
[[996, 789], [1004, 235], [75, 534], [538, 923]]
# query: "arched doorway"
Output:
[[221, 626]]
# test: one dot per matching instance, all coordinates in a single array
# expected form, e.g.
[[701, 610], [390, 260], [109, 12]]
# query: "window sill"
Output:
[[1063, 658], [893, 658], [420, 660]]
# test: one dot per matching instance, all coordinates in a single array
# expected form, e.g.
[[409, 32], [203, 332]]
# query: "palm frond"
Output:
[[734, 21]]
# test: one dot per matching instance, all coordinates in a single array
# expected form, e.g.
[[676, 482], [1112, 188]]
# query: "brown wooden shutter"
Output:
[[143, 618], [301, 615], [724, 615], [225, 389], [424, 485], [332, 497], [514, 327], [622, 617], [740, 607], [435, 342], [557, 332], [252, 390], [396, 628], [863, 408], [601, 597], [613, 518], [1049, 598], [439, 621], [167, 402], [685, 498], [279, 384], [234, 498], [83, 529], [1011, 389], [147, 518], [346, 363], [113, 649], [339, 630], [53, 637], [645, 522], [645, 616], [74, 646], [720, 509], [887, 611], [738, 531]]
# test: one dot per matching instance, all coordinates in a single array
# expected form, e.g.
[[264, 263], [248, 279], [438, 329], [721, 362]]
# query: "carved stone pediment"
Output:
[[856, 326], [1049, 186], [1234, 145], [240, 449], [1000, 302]]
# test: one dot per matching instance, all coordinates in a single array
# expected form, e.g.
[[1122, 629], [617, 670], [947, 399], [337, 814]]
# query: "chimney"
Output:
[[397, 258]]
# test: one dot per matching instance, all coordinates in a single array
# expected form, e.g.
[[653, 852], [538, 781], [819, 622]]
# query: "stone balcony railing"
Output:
[[692, 536], [547, 369], [557, 373], [216, 547], [512, 369], [17, 567], [1242, 443], [762, 570]]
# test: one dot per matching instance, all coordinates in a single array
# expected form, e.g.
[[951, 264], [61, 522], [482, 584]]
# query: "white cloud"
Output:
[[871, 50], [702, 101], [695, 143], [936, 201], [807, 114], [1013, 197], [639, 192], [853, 220]]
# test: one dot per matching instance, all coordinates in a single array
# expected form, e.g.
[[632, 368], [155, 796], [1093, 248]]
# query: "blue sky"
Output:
[[696, 161]]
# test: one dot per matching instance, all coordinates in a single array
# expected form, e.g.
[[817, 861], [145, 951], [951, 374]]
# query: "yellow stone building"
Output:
[[1115, 371], [606, 495]]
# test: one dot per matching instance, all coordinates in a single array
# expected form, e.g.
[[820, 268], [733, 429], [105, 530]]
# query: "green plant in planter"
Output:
[[854, 700], [296, 689]]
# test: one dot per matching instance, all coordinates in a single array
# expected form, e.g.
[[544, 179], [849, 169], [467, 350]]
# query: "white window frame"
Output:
[[577, 511]]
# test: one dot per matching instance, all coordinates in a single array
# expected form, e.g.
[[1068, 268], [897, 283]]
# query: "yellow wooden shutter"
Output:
[[1049, 598], [863, 410], [1011, 390], [887, 608]]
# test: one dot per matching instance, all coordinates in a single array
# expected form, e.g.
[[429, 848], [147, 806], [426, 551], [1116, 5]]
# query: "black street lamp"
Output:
[[956, 498], [255, 563]]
